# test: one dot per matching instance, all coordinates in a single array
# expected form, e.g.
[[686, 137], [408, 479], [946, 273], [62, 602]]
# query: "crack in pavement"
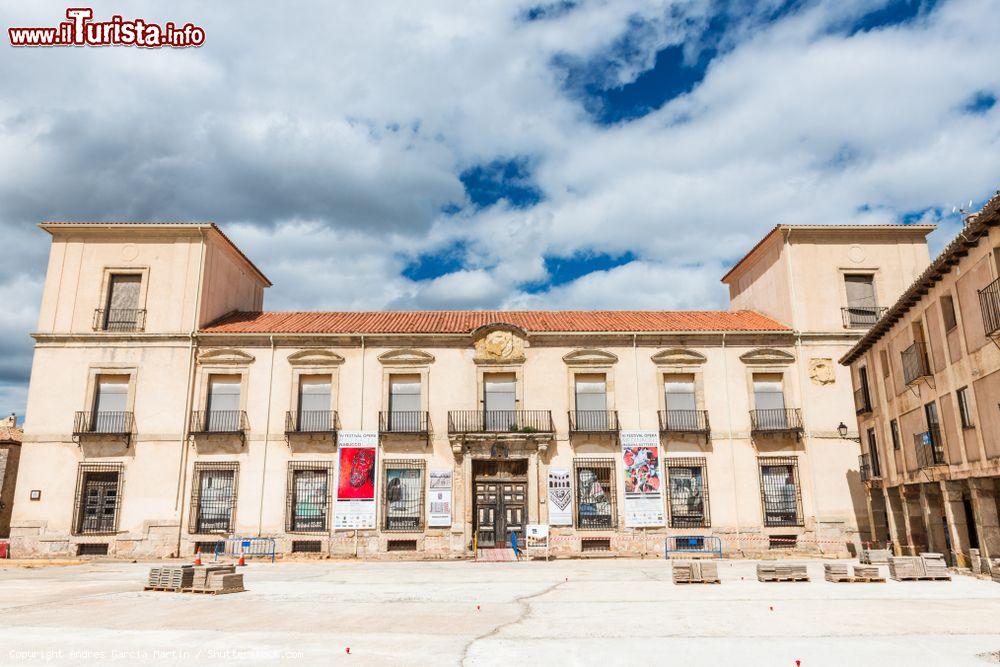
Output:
[[522, 601]]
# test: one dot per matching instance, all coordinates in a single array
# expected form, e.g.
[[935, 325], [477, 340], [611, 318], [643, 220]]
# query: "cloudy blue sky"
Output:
[[377, 155]]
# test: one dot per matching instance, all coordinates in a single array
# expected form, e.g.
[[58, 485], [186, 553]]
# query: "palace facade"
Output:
[[167, 410]]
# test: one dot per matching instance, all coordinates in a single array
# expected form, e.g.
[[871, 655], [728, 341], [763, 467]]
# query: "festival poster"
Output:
[[560, 497], [643, 481], [356, 480], [439, 499]]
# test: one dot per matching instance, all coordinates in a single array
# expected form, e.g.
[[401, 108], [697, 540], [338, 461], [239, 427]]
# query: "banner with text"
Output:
[[643, 483], [356, 480], [560, 497], [439, 499]]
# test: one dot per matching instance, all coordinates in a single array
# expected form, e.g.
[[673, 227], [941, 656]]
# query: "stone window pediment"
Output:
[[225, 357], [316, 357], [767, 357], [678, 356], [590, 358], [406, 357]]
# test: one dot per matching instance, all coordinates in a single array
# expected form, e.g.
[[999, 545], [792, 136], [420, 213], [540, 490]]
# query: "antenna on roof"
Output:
[[966, 211]]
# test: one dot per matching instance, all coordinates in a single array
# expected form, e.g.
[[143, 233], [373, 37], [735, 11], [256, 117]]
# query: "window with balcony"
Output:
[[894, 431], [964, 409], [876, 465], [308, 496], [862, 309], [687, 490], [681, 414], [405, 403], [781, 494], [222, 407], [595, 494], [314, 414], [769, 413], [591, 414], [110, 414], [929, 444], [213, 497], [121, 310], [500, 401]]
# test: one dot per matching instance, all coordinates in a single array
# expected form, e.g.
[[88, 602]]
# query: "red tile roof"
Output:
[[10, 434], [465, 321]]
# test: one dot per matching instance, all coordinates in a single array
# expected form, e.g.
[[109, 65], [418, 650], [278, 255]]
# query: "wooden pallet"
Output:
[[785, 578], [164, 589], [210, 591], [699, 581], [856, 580], [923, 578]]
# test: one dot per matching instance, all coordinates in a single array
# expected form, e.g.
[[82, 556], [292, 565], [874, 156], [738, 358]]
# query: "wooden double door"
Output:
[[501, 506]]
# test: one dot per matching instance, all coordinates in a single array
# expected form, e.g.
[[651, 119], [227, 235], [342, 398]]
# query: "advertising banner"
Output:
[[357, 467], [560, 497], [643, 481], [439, 499]]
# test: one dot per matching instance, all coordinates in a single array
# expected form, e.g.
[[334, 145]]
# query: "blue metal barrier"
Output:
[[248, 547], [693, 544]]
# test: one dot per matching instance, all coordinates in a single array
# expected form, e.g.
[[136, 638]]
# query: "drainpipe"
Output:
[[732, 442], [189, 399], [267, 433], [635, 363], [362, 382]]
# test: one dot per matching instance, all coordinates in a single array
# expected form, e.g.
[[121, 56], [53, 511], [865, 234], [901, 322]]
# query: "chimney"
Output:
[[10, 421]]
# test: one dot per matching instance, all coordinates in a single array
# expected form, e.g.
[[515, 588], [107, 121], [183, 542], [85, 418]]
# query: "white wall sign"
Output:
[[439, 499], [643, 482], [560, 497]]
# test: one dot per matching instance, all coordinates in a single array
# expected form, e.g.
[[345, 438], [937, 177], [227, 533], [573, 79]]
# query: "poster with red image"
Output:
[[643, 481], [357, 478], [357, 473]]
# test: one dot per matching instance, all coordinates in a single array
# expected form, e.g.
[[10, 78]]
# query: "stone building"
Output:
[[927, 392], [10, 454], [167, 410]]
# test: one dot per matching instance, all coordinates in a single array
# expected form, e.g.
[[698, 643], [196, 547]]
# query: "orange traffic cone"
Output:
[[243, 561], [197, 556]]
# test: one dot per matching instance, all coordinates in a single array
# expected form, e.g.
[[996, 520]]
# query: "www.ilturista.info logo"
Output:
[[80, 30]]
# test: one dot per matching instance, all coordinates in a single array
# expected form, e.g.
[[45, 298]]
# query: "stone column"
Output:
[[930, 504], [957, 522], [895, 534], [873, 535], [984, 510], [909, 497], [533, 487]]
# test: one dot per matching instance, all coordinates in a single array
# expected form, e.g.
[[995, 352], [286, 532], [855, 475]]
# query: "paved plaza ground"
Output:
[[568, 612]]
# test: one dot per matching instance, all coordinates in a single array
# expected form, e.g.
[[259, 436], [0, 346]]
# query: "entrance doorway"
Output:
[[500, 498]]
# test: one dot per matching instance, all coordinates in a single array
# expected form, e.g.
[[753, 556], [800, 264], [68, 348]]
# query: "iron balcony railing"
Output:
[[593, 421], [915, 362], [776, 420], [929, 448], [311, 421], [869, 468], [102, 423], [862, 317], [862, 400], [119, 319], [404, 421], [218, 421], [500, 421], [989, 304], [684, 421]]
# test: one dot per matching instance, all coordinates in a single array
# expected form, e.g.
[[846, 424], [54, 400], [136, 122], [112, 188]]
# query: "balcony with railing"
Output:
[[219, 422], [500, 421], [929, 448], [862, 317], [314, 422], [989, 305], [776, 421], [593, 421], [869, 468], [916, 363], [117, 424], [684, 421], [404, 422], [119, 320], [862, 400]]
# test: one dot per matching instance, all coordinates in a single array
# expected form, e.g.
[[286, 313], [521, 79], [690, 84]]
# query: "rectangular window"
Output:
[[308, 496], [964, 409], [98, 498], [222, 410], [687, 492], [591, 403], [873, 454], [861, 304], [769, 401], [500, 401], [948, 312], [780, 491], [213, 497], [894, 430], [678, 392], [883, 357], [595, 494], [110, 403], [314, 403], [121, 312], [404, 403], [403, 495]]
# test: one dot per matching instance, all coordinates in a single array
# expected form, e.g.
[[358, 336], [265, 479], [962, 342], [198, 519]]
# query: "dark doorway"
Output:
[[500, 497], [970, 522]]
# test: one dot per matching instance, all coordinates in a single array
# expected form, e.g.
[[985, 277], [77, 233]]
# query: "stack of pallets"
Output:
[[203, 572], [868, 573], [695, 572], [925, 567], [874, 556], [781, 572], [836, 572], [173, 577], [935, 566]]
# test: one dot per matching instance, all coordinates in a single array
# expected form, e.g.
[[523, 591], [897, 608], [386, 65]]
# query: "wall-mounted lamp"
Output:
[[842, 430]]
